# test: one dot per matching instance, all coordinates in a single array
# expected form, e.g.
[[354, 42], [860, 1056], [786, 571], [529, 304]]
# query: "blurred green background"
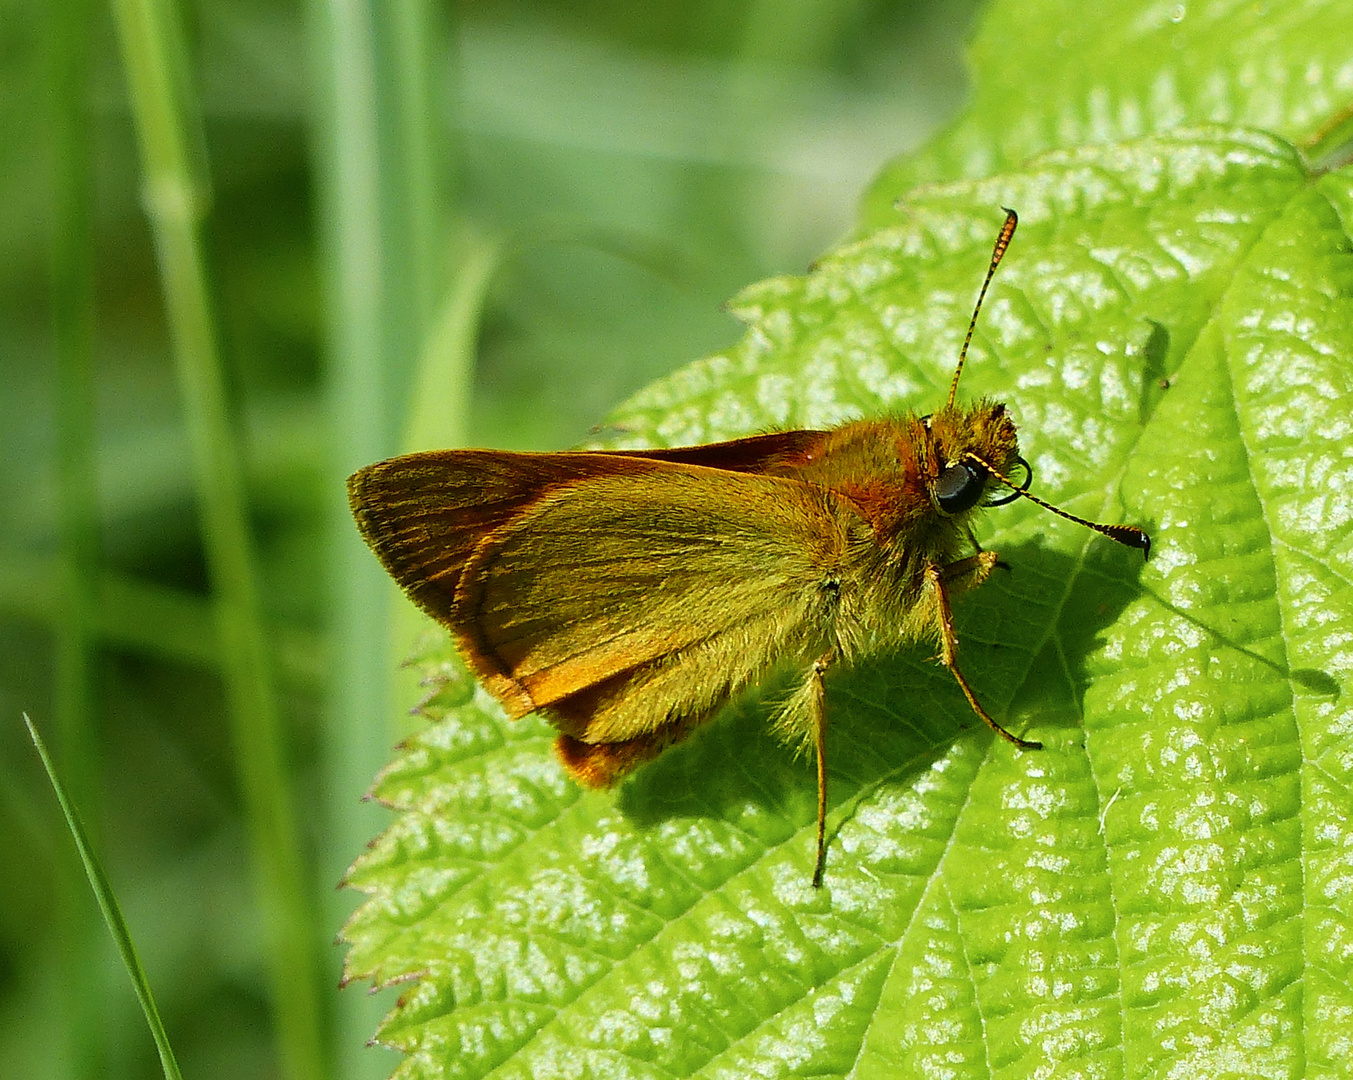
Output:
[[530, 208]]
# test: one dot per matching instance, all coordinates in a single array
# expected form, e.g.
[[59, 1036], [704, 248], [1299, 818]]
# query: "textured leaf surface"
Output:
[[1166, 890], [1056, 74]]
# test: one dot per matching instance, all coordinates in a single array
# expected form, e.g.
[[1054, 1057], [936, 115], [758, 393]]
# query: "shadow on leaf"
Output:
[[891, 717]]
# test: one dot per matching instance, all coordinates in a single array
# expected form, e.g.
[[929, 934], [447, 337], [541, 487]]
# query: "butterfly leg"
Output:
[[964, 574], [817, 704], [980, 551], [936, 577]]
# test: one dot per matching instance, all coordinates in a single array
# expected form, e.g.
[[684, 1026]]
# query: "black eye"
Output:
[[958, 488]]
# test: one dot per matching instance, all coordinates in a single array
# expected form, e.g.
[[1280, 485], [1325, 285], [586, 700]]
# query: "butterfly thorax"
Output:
[[890, 471]]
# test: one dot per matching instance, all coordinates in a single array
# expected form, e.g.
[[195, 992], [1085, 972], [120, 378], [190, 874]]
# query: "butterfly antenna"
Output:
[[1127, 535], [1002, 242]]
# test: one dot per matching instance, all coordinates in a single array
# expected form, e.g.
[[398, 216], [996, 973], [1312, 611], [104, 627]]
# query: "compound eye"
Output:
[[959, 488]]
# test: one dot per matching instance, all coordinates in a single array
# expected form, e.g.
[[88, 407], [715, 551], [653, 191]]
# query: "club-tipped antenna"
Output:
[[1127, 535], [1002, 242]]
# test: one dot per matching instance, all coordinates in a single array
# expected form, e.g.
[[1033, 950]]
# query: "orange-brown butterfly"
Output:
[[628, 594]]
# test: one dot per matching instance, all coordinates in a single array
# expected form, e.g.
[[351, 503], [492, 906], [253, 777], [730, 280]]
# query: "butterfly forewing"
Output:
[[775, 454], [615, 573], [424, 513]]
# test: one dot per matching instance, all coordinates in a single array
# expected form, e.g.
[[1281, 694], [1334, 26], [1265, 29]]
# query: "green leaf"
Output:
[[1057, 74], [1165, 890]]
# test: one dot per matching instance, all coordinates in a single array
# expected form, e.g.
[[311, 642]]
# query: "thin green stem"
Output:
[[73, 335], [112, 913], [410, 77], [347, 147], [175, 198], [376, 134]]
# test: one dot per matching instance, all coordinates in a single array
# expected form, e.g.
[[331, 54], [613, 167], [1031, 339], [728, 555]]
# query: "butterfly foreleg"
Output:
[[937, 580], [963, 574]]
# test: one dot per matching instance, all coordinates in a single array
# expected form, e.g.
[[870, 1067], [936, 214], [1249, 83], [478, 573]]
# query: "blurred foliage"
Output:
[[640, 165]]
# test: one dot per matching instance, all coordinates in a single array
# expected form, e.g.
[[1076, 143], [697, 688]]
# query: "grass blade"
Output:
[[169, 137], [72, 276], [112, 913]]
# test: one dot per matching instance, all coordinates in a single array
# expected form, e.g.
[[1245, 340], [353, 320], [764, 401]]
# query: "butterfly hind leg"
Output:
[[818, 705], [803, 716]]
